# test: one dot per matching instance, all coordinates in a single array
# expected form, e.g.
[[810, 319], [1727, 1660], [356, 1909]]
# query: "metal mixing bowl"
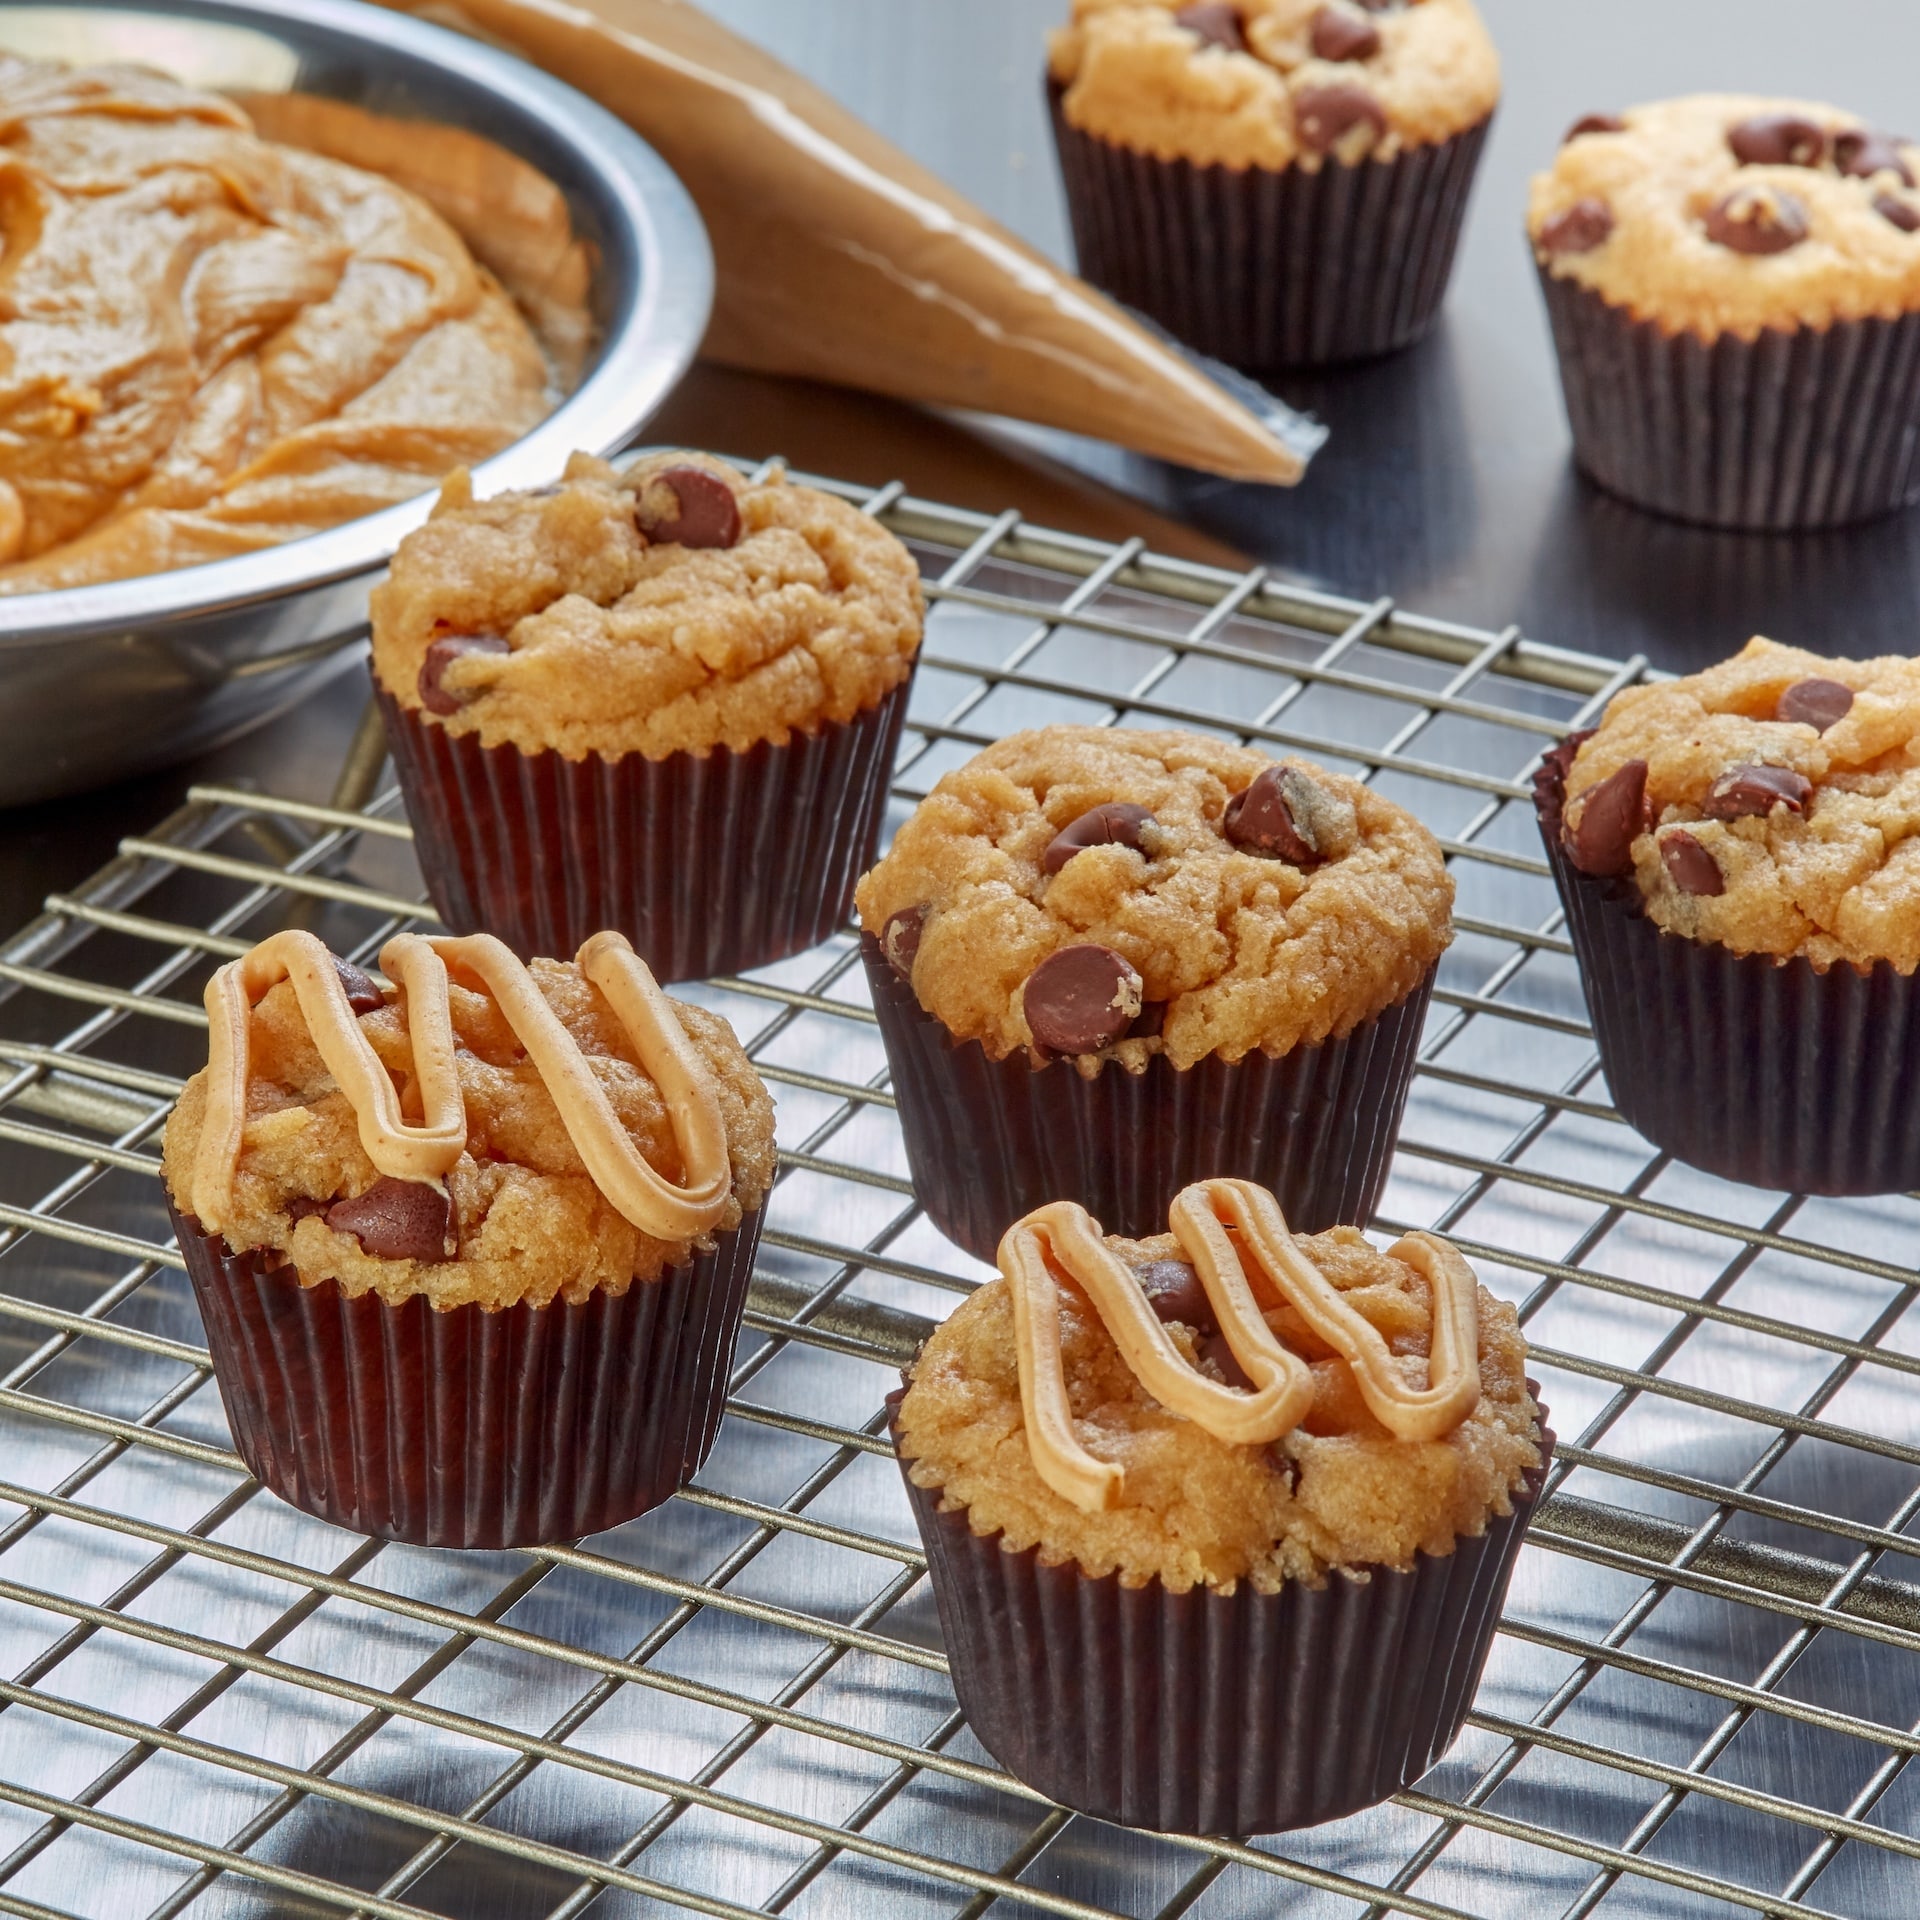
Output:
[[103, 681]]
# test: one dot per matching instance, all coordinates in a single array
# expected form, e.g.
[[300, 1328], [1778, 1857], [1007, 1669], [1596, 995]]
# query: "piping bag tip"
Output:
[[840, 259]]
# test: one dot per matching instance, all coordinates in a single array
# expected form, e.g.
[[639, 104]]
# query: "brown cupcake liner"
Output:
[[1203, 1712], [470, 1428], [1271, 267], [709, 863], [1772, 1073], [989, 1140], [1813, 427]]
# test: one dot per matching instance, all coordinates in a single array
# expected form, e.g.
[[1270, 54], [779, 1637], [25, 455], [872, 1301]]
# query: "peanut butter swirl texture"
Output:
[[1260, 1257], [426, 1150]]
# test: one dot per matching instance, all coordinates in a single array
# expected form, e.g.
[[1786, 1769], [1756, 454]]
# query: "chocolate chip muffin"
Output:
[[1104, 958], [664, 701], [1126, 1456], [1734, 289], [1734, 852], [471, 1249], [1281, 183]]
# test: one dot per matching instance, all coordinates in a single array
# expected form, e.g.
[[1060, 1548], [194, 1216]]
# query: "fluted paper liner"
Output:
[[840, 258], [1271, 267], [709, 863], [467, 1428], [1204, 1712], [989, 1140], [1812, 427], [1772, 1073]]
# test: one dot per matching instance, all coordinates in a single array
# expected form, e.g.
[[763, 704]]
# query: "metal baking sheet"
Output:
[[1704, 1696]]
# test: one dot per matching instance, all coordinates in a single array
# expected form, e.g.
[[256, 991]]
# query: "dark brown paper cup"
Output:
[[468, 1428], [1812, 427], [989, 1140], [1204, 1712], [1772, 1073], [1271, 267], [709, 863]]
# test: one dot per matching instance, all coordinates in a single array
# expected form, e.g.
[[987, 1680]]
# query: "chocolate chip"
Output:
[[688, 507], [1757, 220], [1614, 813], [1339, 35], [1902, 213], [1215, 1348], [1152, 1021], [362, 995], [900, 939], [1746, 791], [1861, 152], [1115, 823], [1778, 140], [1818, 704], [1174, 1292], [1261, 820], [1693, 869], [304, 1207], [1081, 999], [1594, 123], [397, 1220], [1217, 23], [437, 698], [1578, 228], [1325, 116]]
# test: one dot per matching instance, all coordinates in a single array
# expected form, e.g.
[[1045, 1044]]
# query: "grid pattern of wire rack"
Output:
[[1704, 1695]]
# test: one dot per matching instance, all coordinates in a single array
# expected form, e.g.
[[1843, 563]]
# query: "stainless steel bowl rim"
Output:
[[649, 348]]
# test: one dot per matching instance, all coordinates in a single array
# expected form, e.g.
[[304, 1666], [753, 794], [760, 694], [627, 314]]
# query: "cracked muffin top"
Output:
[[1110, 893], [1280, 1482], [1274, 83], [1769, 804], [581, 1131], [672, 608], [1728, 214]]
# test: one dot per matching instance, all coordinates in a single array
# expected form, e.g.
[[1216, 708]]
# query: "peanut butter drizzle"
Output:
[[1200, 1217], [428, 1152]]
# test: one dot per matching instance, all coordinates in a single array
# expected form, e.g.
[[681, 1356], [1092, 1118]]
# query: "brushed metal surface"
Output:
[[101, 681], [1704, 1697]]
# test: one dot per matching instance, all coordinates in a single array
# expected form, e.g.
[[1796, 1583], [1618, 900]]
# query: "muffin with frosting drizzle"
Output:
[[1735, 852], [1719, 270], [1280, 183], [1193, 1503], [663, 700], [1108, 960], [471, 1247]]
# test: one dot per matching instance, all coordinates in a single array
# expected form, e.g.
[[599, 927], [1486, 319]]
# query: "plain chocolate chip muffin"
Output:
[[663, 700], [1084, 922], [1737, 856], [1279, 182], [472, 1248], [1717, 269], [1228, 1425]]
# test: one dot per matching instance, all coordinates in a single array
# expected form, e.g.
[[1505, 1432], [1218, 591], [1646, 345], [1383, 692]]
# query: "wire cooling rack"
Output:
[[1704, 1696]]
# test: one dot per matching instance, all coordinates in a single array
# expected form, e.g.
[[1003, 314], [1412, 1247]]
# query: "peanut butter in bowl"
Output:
[[212, 342]]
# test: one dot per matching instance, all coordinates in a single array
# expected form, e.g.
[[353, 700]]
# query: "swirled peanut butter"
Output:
[[483, 1131], [1229, 1401], [210, 343]]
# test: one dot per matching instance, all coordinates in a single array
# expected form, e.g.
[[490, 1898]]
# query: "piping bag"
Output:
[[841, 259]]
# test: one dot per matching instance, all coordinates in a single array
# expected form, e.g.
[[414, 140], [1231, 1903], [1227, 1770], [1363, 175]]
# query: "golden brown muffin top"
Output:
[[212, 343], [1254, 904], [1768, 804], [1730, 213], [526, 1219], [669, 609], [1339, 1490], [1275, 83]]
